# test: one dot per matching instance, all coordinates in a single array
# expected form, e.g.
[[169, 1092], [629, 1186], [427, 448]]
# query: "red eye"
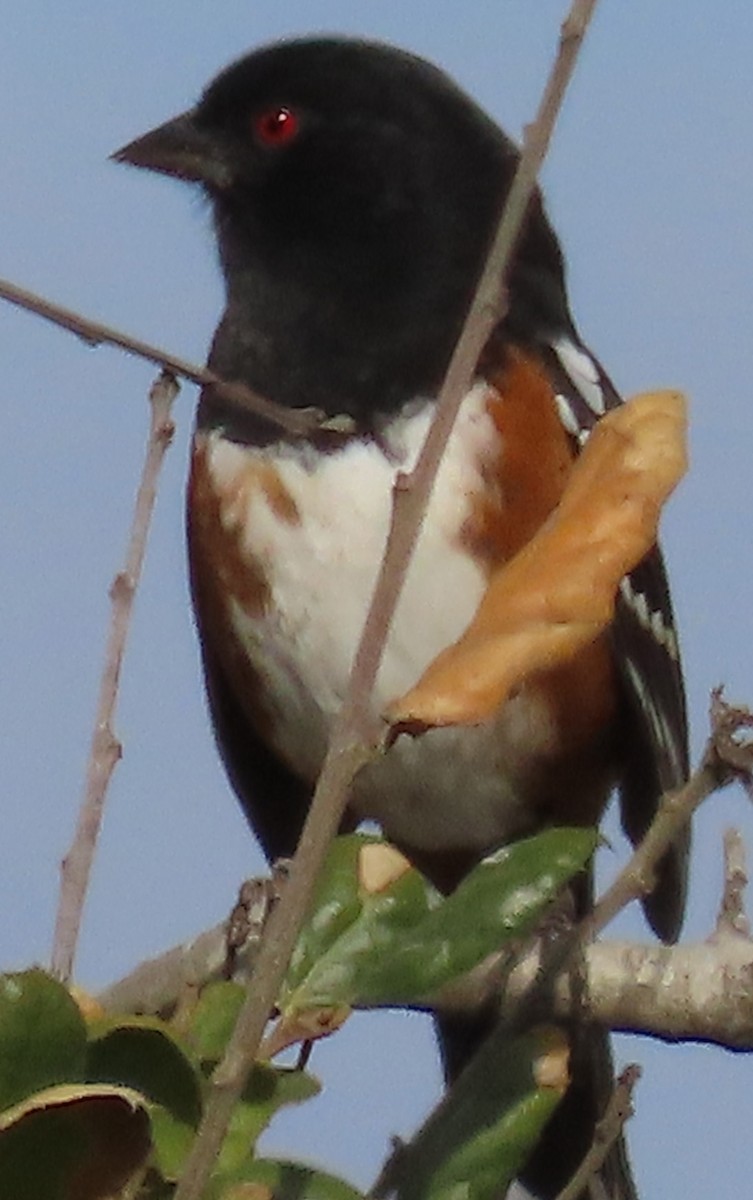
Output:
[[276, 126]]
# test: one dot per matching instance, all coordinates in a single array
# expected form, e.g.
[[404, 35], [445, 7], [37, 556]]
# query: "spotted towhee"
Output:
[[354, 190]]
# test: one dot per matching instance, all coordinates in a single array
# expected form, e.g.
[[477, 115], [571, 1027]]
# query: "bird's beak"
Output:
[[179, 148]]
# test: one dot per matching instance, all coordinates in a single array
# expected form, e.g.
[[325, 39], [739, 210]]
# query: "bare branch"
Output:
[[105, 749], [155, 985], [701, 992], [352, 741], [731, 746], [732, 916], [300, 422], [725, 758], [688, 993]]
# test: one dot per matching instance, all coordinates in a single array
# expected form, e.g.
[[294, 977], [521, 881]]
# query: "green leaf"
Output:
[[282, 1181], [399, 945], [268, 1089], [172, 1140], [337, 905], [213, 1019], [42, 1035], [141, 1054], [501, 899], [348, 925], [474, 1144]]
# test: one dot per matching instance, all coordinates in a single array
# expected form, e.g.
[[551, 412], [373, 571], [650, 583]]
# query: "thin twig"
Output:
[[636, 879], [105, 749], [733, 740], [725, 758], [732, 916], [728, 756], [618, 1111], [413, 492], [297, 422], [352, 741]]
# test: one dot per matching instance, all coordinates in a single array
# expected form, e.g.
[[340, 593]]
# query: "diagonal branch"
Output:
[[105, 748], [726, 758], [352, 741], [297, 422]]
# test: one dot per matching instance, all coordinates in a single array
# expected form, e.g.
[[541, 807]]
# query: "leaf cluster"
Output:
[[95, 1106]]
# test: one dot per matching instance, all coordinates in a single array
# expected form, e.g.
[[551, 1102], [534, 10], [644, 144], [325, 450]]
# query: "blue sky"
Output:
[[650, 184]]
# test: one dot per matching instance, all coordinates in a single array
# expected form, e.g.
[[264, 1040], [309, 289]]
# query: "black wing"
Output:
[[655, 753]]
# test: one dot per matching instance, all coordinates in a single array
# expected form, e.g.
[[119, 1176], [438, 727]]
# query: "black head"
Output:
[[355, 189]]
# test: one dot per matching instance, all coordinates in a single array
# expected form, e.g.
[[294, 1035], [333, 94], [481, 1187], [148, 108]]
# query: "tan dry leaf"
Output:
[[558, 593], [380, 865], [305, 1025], [248, 1191], [89, 1007], [552, 1067]]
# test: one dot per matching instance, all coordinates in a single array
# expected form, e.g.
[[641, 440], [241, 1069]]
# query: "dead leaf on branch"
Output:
[[307, 1025], [379, 865], [558, 593], [552, 1066]]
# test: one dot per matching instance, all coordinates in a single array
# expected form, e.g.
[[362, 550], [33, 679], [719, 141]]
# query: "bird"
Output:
[[354, 190]]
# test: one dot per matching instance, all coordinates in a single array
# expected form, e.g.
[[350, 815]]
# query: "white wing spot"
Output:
[[652, 621], [640, 607], [662, 730], [583, 372], [567, 416]]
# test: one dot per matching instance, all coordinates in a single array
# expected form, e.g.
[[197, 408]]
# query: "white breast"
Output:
[[321, 571]]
